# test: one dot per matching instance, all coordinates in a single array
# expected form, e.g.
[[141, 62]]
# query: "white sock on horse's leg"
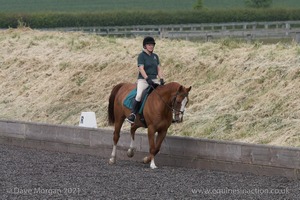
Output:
[[131, 143], [113, 153], [112, 160], [130, 152], [152, 164]]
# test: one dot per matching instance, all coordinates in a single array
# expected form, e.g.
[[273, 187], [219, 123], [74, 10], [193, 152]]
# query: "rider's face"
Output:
[[150, 47]]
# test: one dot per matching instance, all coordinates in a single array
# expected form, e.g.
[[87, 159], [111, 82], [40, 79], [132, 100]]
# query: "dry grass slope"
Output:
[[241, 92]]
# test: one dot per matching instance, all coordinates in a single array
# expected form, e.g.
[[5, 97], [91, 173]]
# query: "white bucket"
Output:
[[88, 119]]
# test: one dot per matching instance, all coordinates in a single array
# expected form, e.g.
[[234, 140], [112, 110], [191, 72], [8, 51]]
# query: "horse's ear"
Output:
[[189, 89], [180, 88]]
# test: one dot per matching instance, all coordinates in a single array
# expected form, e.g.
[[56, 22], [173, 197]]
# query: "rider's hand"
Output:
[[150, 82], [162, 82]]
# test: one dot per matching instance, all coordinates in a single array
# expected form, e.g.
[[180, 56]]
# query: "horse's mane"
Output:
[[172, 86]]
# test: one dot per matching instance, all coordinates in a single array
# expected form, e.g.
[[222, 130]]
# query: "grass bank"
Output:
[[241, 91]]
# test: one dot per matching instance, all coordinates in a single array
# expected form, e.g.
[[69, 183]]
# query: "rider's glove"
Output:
[[150, 82]]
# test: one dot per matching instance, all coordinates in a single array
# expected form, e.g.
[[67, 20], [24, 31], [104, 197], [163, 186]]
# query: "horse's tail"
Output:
[[111, 103]]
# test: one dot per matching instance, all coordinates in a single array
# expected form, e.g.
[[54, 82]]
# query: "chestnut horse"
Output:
[[163, 106]]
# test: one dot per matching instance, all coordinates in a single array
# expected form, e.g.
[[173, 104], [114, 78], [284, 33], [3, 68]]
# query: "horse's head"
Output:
[[179, 102]]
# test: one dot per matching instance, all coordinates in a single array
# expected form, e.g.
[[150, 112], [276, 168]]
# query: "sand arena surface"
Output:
[[38, 174], [240, 91]]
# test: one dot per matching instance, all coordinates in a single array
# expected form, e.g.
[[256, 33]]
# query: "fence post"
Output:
[[297, 37], [208, 38], [249, 37], [160, 32]]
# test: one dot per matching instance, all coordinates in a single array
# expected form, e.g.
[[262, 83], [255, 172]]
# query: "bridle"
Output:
[[175, 111]]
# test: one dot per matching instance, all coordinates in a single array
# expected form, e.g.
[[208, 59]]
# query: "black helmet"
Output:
[[148, 40]]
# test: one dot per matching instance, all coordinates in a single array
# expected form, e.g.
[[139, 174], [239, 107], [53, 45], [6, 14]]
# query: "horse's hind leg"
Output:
[[130, 152], [118, 125]]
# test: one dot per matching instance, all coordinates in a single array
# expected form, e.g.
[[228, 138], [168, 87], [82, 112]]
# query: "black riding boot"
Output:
[[134, 111]]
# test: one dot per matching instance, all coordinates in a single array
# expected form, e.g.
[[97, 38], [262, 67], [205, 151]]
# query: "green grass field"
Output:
[[241, 3], [93, 5], [105, 5]]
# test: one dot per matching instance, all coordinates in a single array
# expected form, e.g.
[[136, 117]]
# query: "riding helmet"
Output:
[[148, 40]]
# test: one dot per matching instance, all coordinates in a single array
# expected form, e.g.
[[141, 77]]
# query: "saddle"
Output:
[[131, 96]]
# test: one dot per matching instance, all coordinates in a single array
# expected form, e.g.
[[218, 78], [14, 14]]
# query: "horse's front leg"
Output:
[[159, 139], [150, 158], [130, 152]]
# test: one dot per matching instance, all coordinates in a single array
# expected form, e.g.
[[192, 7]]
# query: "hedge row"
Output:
[[126, 18]]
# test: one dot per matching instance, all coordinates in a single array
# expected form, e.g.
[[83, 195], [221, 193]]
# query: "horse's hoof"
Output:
[[153, 166], [112, 160], [130, 152], [146, 160]]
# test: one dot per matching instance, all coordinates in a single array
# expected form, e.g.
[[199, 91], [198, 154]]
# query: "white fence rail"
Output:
[[244, 30]]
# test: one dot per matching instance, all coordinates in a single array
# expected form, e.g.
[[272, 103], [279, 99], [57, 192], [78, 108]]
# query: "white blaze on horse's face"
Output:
[[183, 104], [179, 111]]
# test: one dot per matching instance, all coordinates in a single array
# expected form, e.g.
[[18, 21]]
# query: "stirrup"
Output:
[[131, 118]]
